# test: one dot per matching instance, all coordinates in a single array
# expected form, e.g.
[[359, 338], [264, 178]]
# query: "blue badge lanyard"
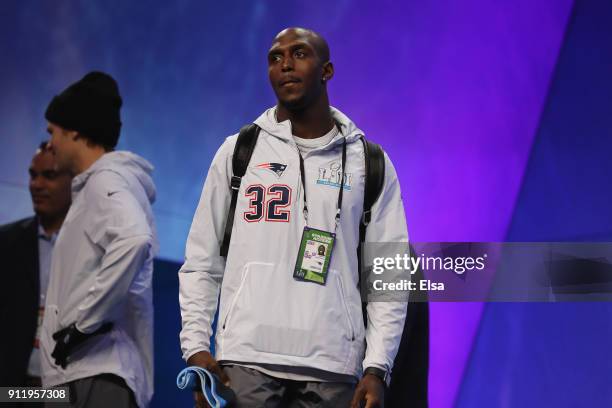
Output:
[[339, 206]]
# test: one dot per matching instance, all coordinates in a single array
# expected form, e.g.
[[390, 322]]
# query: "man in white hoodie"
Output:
[[285, 337], [97, 335]]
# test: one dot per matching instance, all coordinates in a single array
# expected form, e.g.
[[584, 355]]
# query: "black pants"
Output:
[[100, 391], [255, 389]]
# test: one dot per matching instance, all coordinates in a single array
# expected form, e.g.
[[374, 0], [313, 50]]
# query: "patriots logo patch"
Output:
[[276, 168]]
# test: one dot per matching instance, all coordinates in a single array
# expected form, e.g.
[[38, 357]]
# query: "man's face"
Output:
[[295, 70], [50, 188], [63, 146]]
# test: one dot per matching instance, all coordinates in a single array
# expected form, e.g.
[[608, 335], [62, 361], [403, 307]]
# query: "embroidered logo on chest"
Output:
[[276, 168], [331, 176]]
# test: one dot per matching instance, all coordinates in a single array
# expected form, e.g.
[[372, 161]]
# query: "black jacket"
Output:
[[19, 297]]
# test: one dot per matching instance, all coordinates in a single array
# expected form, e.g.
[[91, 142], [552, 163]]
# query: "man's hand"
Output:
[[371, 390], [70, 339], [205, 360]]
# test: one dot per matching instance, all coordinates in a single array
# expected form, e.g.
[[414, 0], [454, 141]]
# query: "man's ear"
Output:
[[74, 135], [328, 71]]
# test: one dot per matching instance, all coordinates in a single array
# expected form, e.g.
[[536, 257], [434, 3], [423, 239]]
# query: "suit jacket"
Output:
[[19, 298]]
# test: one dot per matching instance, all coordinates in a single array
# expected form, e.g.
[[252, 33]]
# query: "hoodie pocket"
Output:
[[351, 327], [273, 313], [245, 273]]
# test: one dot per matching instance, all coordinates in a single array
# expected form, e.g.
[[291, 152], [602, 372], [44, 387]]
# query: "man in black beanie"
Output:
[[90, 107], [97, 335]]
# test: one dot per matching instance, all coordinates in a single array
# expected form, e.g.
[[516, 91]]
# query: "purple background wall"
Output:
[[454, 91], [535, 355]]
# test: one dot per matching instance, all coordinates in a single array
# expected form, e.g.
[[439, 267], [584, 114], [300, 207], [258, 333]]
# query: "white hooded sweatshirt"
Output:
[[266, 316], [101, 271]]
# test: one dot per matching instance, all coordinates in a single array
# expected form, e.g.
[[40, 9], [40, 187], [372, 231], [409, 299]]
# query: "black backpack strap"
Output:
[[374, 182], [245, 144]]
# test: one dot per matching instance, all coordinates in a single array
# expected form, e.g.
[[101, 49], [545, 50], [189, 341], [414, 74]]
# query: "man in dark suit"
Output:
[[25, 251]]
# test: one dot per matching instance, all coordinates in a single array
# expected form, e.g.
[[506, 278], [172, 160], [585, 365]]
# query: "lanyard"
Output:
[[339, 205]]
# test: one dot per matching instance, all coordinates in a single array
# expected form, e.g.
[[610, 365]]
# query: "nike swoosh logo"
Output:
[[110, 193]]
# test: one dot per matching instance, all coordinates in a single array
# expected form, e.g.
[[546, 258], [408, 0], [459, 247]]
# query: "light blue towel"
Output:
[[188, 379]]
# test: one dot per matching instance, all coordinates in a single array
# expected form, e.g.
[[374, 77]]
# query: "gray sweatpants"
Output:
[[100, 391], [256, 389]]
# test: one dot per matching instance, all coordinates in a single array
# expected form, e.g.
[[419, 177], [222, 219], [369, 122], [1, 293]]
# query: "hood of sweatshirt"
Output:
[[282, 130], [121, 162]]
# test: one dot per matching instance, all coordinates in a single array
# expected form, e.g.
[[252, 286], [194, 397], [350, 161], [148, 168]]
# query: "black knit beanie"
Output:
[[91, 107]]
